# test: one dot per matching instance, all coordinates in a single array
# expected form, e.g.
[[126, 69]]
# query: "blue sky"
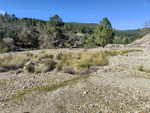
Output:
[[123, 14]]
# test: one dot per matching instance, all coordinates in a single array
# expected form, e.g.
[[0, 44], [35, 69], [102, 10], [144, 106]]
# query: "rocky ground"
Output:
[[118, 87]]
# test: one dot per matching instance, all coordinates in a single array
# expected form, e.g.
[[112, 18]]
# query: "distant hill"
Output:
[[141, 31], [89, 24]]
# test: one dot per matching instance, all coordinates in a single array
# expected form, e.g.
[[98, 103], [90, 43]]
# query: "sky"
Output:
[[123, 14]]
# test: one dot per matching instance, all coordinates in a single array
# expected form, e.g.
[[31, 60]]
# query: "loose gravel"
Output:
[[118, 87]]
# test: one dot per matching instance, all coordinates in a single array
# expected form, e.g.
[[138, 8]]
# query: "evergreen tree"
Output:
[[13, 17], [105, 22], [104, 33], [126, 41], [6, 17], [54, 31], [1, 18]]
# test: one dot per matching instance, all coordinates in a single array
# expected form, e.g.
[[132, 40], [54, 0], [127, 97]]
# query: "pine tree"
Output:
[[104, 33]]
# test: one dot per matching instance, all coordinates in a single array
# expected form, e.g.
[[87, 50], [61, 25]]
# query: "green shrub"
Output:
[[50, 64], [59, 56], [51, 56], [140, 36], [90, 43]]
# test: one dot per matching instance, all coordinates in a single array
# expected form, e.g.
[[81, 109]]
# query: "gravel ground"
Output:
[[118, 87]]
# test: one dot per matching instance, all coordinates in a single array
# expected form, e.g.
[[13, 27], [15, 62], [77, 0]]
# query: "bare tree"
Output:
[[147, 24]]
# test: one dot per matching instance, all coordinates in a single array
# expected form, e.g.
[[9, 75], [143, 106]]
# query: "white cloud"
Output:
[[2, 12]]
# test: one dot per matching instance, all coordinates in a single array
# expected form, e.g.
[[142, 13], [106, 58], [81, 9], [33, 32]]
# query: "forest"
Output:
[[30, 33]]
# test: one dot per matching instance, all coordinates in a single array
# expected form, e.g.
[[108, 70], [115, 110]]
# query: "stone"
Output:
[[85, 92], [91, 105]]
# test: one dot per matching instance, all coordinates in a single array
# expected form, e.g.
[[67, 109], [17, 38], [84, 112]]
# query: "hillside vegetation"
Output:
[[143, 42], [27, 33]]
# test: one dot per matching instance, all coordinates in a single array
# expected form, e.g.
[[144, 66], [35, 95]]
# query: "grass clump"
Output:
[[140, 68], [50, 64], [13, 61], [90, 59], [45, 55], [38, 70], [41, 68], [59, 66], [87, 59], [59, 56], [64, 61]]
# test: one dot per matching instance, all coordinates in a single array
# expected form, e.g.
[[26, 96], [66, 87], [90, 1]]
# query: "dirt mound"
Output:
[[143, 42]]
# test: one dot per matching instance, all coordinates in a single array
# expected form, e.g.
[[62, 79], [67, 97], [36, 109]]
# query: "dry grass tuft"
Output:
[[87, 59], [13, 61], [73, 60], [44, 56], [141, 68]]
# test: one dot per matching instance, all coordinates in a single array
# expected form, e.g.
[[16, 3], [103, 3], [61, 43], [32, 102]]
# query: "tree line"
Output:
[[54, 33], [27, 22]]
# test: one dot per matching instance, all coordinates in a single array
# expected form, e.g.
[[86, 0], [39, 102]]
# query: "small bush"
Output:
[[51, 56], [59, 56], [50, 64], [4, 49], [59, 66], [140, 36], [30, 68], [38, 70]]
